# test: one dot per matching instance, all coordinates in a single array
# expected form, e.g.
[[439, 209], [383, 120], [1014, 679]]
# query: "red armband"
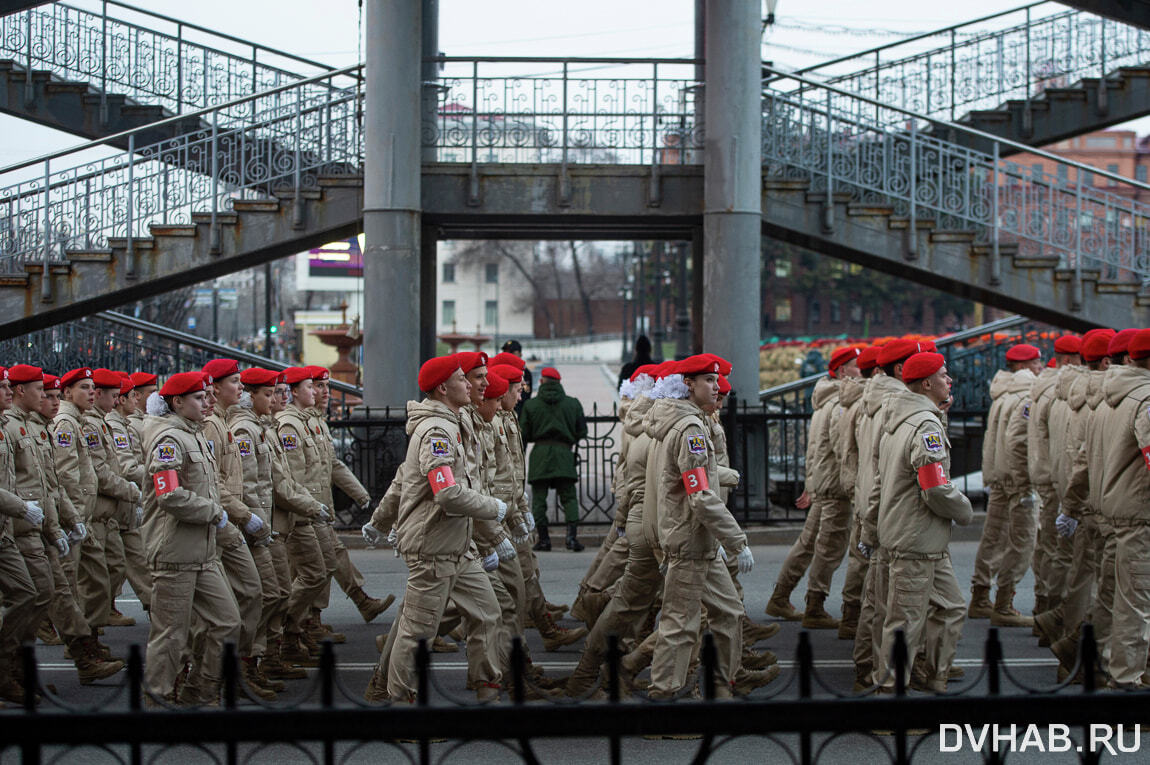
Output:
[[165, 481], [695, 480], [440, 478], [931, 475], [1146, 456]]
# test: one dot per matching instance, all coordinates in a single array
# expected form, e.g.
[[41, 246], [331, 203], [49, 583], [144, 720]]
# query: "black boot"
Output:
[[544, 543], [573, 543]]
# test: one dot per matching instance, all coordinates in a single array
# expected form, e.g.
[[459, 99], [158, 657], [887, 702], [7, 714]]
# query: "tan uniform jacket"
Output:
[[479, 445], [66, 514], [341, 474], [292, 503], [435, 523], [137, 422], [127, 460], [518, 465], [629, 492], [23, 437], [693, 521], [504, 484], [11, 506], [990, 440], [1125, 467], [304, 454], [1059, 426], [913, 521], [1080, 491], [661, 409], [74, 460], [255, 455], [869, 433], [620, 466], [728, 477], [822, 469], [113, 492], [181, 496], [844, 438], [1013, 469], [1043, 394], [222, 443]]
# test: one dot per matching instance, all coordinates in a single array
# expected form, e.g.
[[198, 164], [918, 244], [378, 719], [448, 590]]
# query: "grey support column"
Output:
[[391, 204], [732, 215], [428, 310]]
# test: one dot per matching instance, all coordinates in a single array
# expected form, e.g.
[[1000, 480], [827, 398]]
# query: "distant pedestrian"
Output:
[[515, 349], [642, 356], [554, 421]]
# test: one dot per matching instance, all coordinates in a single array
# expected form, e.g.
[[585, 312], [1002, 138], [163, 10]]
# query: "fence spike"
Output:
[[422, 669], [518, 668], [993, 661], [710, 659], [1089, 653], [804, 656], [231, 675], [898, 661], [613, 656], [135, 677], [327, 674]]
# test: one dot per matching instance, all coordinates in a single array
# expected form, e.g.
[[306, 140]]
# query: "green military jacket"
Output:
[[554, 422]]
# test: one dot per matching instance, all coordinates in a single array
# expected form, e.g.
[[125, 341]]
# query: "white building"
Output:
[[482, 296]]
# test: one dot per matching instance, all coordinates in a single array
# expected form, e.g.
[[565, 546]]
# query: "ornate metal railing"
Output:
[[957, 69], [325, 720], [149, 57], [552, 110], [845, 146], [282, 138]]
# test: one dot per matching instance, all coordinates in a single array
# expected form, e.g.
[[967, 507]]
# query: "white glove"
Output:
[[621, 531], [80, 531], [723, 553], [371, 534], [491, 562], [1029, 501], [254, 524], [139, 517], [324, 513], [33, 513], [393, 537], [866, 550], [663, 568], [521, 534], [746, 560], [136, 491], [63, 546], [1066, 525], [505, 550], [530, 518], [501, 512], [223, 520]]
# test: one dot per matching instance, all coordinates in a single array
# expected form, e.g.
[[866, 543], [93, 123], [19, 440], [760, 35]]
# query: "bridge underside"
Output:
[[1136, 12]]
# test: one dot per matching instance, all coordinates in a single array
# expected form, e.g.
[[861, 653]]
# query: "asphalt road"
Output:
[[561, 572]]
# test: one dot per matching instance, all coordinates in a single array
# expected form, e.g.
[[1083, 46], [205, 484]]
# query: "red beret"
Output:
[[724, 385], [1023, 352], [126, 385], [1096, 343], [318, 373], [1139, 347], [725, 366], [258, 376], [23, 373], [1120, 342], [3, 373], [75, 376], [551, 373], [469, 360], [221, 368], [51, 382], [508, 373], [105, 378], [843, 356], [868, 357], [646, 369], [921, 365], [927, 346], [666, 368], [507, 359], [897, 350], [1068, 344], [294, 375], [496, 385], [184, 382], [142, 379], [437, 371], [702, 364]]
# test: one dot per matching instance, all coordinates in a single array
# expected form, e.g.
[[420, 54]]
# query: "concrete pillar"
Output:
[[428, 310], [430, 72], [732, 213], [391, 205]]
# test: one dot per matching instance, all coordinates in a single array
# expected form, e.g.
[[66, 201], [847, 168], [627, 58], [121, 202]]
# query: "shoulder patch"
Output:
[[166, 453], [1026, 411], [120, 440], [211, 447], [64, 438], [932, 441], [290, 441], [245, 446], [697, 444], [440, 447], [93, 440]]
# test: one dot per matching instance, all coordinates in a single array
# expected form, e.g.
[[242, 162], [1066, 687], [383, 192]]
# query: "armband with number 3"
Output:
[[695, 480]]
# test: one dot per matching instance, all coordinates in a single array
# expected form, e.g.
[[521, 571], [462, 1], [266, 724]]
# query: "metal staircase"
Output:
[[1035, 74], [281, 171]]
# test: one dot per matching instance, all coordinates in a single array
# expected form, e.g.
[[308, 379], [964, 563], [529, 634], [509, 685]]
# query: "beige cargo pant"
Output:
[[325, 535], [1021, 535], [244, 579], [40, 570], [131, 564], [275, 621], [1101, 613], [310, 577], [1130, 628], [431, 584], [821, 546], [178, 596], [1087, 545], [64, 611], [95, 586], [857, 564], [924, 601], [273, 595], [870, 662], [690, 585], [23, 604], [1053, 554]]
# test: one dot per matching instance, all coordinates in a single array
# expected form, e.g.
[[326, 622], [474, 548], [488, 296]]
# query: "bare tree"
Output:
[[583, 296], [517, 253]]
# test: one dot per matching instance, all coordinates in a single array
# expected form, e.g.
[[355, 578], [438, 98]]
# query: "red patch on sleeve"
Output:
[[440, 478], [695, 480], [931, 475], [1146, 456], [165, 481]]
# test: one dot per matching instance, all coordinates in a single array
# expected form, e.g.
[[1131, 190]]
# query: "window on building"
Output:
[[1112, 169], [1085, 221], [448, 311], [1063, 173], [491, 273], [816, 312], [782, 268], [491, 313], [836, 312], [856, 313], [1101, 142], [1086, 178], [783, 309], [1036, 170], [448, 273], [1140, 173]]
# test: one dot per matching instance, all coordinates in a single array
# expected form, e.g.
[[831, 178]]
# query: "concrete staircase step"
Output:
[[820, 197], [786, 184], [1065, 94], [1132, 71], [256, 205], [14, 280], [67, 86], [284, 192], [1119, 288], [902, 222], [868, 210], [138, 243], [1088, 274], [340, 180], [949, 236], [172, 229], [224, 218], [89, 256], [1036, 261]]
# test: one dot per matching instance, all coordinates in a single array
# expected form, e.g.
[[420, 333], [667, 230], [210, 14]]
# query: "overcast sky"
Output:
[[807, 32]]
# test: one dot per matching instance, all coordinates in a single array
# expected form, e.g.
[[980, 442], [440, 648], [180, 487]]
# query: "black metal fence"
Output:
[[800, 714]]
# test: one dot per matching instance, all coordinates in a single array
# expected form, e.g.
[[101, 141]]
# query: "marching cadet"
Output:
[[1126, 497], [692, 524], [348, 577], [129, 455], [1009, 537], [433, 535], [244, 576], [24, 436], [1051, 559], [825, 534], [305, 463], [846, 447], [918, 504], [144, 384], [182, 515]]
